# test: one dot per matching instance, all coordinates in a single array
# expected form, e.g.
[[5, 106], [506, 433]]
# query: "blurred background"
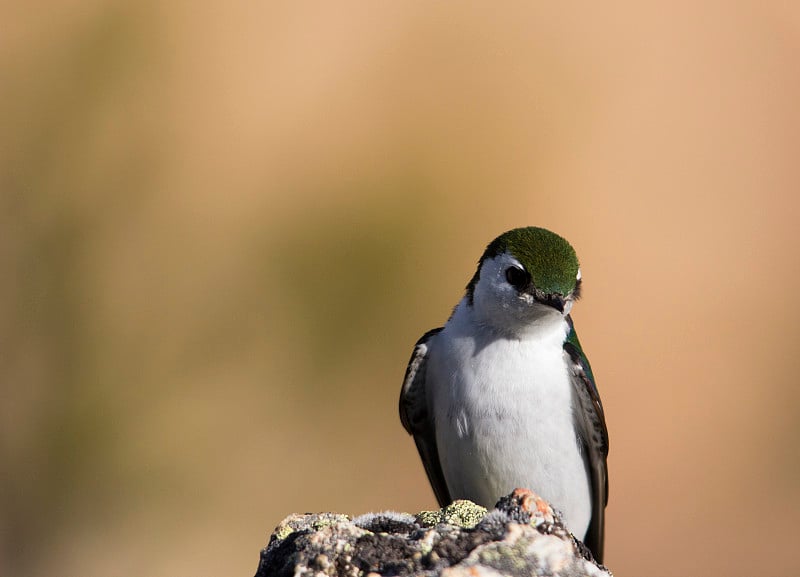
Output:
[[224, 227]]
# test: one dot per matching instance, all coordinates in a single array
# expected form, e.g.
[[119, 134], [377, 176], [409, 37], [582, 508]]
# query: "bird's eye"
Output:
[[517, 277]]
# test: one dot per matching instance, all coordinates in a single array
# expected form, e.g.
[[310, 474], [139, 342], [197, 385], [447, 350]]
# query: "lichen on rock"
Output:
[[521, 536], [462, 513]]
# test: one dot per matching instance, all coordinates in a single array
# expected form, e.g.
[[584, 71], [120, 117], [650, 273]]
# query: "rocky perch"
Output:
[[521, 536]]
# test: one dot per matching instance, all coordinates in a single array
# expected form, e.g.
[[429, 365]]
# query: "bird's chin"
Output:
[[534, 309], [545, 307], [541, 311], [533, 316]]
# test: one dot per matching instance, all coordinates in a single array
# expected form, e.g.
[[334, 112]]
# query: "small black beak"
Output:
[[555, 301]]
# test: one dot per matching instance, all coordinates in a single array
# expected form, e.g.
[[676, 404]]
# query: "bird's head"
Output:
[[525, 276]]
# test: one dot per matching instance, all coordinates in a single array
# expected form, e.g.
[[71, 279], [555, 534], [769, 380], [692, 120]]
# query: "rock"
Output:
[[521, 536]]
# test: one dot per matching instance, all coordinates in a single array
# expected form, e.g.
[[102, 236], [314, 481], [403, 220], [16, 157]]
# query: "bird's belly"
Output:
[[515, 429]]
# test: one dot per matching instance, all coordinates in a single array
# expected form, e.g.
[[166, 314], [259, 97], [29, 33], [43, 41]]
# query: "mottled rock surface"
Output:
[[521, 536]]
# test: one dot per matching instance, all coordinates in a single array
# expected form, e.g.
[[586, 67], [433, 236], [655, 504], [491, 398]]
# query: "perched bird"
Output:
[[503, 397]]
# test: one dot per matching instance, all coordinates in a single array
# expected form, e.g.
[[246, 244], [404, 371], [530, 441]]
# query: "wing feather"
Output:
[[418, 421], [591, 426]]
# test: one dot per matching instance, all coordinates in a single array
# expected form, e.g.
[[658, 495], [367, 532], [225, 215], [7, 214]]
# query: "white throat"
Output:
[[498, 306]]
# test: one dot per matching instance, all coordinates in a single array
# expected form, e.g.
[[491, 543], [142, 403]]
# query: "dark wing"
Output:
[[418, 422], [591, 426]]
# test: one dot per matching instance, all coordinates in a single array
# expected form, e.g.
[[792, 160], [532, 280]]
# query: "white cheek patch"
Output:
[[579, 275], [493, 295]]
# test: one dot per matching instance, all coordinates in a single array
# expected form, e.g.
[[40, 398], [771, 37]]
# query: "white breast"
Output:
[[503, 413]]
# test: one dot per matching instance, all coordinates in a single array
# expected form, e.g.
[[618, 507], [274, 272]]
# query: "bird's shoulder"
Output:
[[583, 378], [582, 372], [413, 404]]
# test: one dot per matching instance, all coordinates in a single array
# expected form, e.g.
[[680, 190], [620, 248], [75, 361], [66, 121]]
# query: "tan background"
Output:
[[224, 227]]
